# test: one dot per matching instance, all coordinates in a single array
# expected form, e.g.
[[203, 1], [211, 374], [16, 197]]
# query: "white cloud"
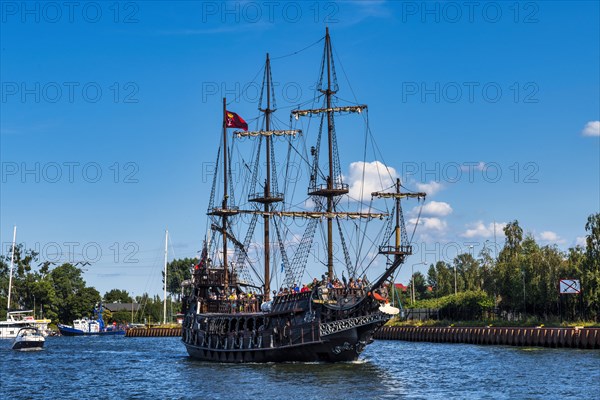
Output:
[[592, 128], [377, 177], [479, 229], [551, 237], [430, 224], [580, 241], [466, 167], [430, 188], [434, 209]]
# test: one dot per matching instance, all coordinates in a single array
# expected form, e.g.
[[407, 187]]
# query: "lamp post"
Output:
[[455, 290], [412, 277]]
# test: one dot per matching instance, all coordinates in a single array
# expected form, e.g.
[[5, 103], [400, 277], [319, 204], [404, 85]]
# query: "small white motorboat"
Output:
[[28, 339]]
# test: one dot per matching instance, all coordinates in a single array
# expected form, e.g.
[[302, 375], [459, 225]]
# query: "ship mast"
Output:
[[225, 195], [267, 196], [328, 94], [334, 187], [401, 247], [267, 112]]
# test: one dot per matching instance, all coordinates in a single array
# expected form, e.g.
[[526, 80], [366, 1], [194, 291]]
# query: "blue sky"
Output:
[[110, 116]]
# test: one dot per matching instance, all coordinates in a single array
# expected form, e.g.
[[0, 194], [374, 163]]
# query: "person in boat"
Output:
[[304, 288], [296, 288]]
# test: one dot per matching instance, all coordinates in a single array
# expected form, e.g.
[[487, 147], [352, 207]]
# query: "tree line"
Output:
[[523, 277], [61, 294]]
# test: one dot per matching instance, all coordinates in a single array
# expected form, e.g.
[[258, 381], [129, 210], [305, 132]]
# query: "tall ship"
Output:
[[312, 284]]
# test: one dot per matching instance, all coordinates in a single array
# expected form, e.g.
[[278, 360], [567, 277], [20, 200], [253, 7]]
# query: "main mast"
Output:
[[328, 94], [267, 112]]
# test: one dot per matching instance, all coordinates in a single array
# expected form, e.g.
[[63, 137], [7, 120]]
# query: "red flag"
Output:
[[232, 120]]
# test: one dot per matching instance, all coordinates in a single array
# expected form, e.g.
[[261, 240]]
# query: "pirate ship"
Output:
[[229, 317]]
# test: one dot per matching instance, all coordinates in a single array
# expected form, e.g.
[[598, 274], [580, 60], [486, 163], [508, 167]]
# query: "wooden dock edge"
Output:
[[580, 338], [153, 332]]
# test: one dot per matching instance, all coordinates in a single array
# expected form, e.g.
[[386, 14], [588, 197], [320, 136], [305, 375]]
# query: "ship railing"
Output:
[[334, 295], [229, 306], [290, 301]]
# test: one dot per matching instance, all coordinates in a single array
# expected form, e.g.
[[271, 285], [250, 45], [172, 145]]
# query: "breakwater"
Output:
[[153, 332], [582, 338]]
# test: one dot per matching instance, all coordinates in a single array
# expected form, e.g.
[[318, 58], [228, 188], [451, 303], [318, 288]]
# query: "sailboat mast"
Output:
[[225, 195], [330, 178], [165, 284], [12, 261], [398, 215], [267, 112]]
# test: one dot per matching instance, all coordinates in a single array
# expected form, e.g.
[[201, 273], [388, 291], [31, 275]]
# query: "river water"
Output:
[[159, 368]]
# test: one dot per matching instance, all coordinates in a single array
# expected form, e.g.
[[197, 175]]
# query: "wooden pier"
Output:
[[153, 332], [581, 338]]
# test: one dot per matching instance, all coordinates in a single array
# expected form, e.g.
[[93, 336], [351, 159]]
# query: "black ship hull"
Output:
[[297, 330], [343, 346]]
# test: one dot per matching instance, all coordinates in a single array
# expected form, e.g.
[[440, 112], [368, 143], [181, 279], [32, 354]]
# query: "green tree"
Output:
[[74, 299], [445, 279], [117, 296], [432, 278], [508, 268], [591, 267], [468, 269], [178, 271]]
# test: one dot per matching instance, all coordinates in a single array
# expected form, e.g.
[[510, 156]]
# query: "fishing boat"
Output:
[[229, 316], [90, 327], [29, 339]]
